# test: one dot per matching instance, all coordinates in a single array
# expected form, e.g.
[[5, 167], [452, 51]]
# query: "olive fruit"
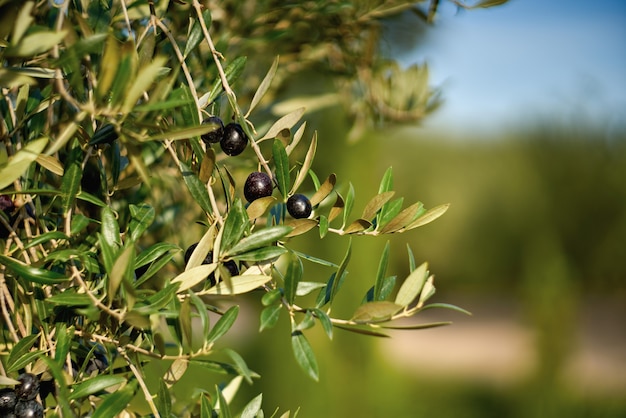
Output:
[[8, 399], [299, 206], [28, 409], [215, 136], [29, 387], [234, 140], [258, 184]]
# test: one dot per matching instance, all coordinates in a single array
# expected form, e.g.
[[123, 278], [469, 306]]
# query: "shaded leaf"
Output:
[[303, 352], [142, 217], [196, 35], [269, 316], [32, 274], [281, 162], [197, 189], [116, 402], [222, 326], [259, 239], [95, 385]]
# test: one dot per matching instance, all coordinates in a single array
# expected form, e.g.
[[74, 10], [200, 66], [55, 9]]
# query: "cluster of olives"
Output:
[[259, 184], [21, 402], [233, 140]]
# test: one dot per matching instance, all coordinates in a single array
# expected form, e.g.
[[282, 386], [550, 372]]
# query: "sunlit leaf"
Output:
[[35, 43], [222, 326], [258, 207], [324, 190], [429, 216], [286, 122], [306, 165], [252, 408], [190, 278], [376, 311], [264, 86], [18, 163], [412, 285], [375, 204], [240, 284], [402, 219], [281, 162]]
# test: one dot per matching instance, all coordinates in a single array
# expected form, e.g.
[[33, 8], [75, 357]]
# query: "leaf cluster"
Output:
[[102, 113]]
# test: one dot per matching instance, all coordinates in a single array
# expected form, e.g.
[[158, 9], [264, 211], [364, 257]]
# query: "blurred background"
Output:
[[528, 145]]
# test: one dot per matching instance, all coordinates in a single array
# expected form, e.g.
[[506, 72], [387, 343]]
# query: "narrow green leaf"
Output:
[[239, 364], [375, 204], [95, 385], [386, 184], [303, 352], [61, 388], [110, 229], [412, 286], [21, 348], [401, 220], [197, 189], [224, 409], [119, 270], [304, 288], [19, 163], [362, 330], [306, 165], [427, 291], [325, 321], [153, 252], [184, 133], [252, 408], [69, 299], [349, 204], [45, 237], [376, 311], [259, 239], [264, 86], [116, 402], [142, 217], [163, 400], [340, 272], [380, 274], [190, 278], [324, 189], [222, 326], [240, 284], [429, 216], [293, 275], [35, 43], [270, 316], [261, 254], [145, 77], [32, 274], [446, 306], [411, 258], [232, 71], [196, 35], [63, 339], [206, 410], [24, 360], [235, 225], [286, 122], [417, 326], [281, 162]]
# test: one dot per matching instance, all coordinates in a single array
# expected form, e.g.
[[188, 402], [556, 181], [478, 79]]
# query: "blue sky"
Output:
[[526, 59]]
